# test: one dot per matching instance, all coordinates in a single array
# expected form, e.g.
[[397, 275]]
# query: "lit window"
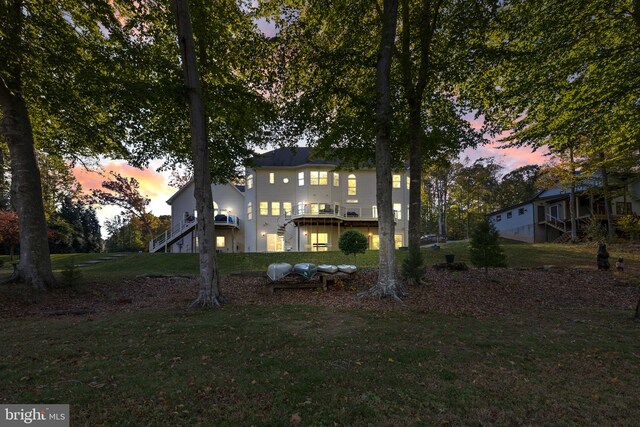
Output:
[[275, 208], [249, 182], [375, 242], [319, 242], [398, 240], [336, 179], [249, 212], [300, 179], [215, 208], [397, 210], [318, 178], [272, 178], [300, 208], [286, 207], [220, 242], [351, 185], [408, 183], [374, 211], [264, 208], [397, 181]]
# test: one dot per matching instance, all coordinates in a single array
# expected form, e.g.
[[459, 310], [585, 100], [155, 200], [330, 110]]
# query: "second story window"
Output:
[[397, 210], [351, 185], [264, 208], [336, 179], [300, 179], [408, 183], [318, 178], [249, 212], [249, 182], [286, 207], [272, 178], [397, 181], [275, 208]]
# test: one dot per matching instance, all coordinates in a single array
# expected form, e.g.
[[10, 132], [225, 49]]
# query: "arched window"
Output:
[[215, 208], [351, 185]]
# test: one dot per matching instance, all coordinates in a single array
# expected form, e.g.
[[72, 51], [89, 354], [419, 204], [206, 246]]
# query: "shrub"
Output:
[[485, 251], [413, 267], [630, 224], [594, 231], [353, 242]]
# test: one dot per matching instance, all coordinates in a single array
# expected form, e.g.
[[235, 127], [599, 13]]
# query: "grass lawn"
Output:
[[284, 358], [518, 255], [261, 365]]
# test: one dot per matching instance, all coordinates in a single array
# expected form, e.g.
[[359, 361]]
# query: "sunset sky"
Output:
[[155, 185]]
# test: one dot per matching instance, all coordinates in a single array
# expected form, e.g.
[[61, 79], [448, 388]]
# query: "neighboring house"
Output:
[[292, 202], [547, 218]]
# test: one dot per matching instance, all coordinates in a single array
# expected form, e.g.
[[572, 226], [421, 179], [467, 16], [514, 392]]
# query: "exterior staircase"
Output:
[[178, 231], [563, 238]]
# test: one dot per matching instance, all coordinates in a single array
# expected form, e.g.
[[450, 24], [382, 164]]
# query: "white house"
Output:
[[547, 218], [290, 202]]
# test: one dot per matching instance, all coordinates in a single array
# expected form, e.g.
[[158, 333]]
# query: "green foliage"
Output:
[[594, 231], [353, 242], [71, 274], [484, 249], [413, 268], [630, 224]]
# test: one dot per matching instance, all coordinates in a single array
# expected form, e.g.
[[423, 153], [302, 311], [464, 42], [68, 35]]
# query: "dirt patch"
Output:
[[507, 291]]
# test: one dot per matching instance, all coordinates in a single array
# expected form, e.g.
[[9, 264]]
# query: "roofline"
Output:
[[180, 190], [183, 188]]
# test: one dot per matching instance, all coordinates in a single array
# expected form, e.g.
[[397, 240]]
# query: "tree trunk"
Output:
[[34, 267], [387, 284], [607, 202], [572, 198], [209, 293]]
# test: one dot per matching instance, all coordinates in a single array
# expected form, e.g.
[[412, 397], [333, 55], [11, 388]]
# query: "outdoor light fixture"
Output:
[[264, 234]]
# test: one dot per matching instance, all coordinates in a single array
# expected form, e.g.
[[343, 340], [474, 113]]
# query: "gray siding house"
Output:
[[547, 218]]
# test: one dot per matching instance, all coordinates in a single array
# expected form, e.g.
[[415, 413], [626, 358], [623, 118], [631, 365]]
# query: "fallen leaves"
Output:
[[508, 291]]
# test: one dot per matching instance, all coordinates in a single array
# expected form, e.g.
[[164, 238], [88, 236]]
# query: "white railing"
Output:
[[175, 230], [168, 236], [334, 210]]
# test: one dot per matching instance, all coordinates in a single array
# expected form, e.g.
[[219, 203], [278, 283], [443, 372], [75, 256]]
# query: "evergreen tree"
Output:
[[485, 250]]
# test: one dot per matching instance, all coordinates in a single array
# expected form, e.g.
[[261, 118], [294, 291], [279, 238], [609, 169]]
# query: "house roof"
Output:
[[290, 157]]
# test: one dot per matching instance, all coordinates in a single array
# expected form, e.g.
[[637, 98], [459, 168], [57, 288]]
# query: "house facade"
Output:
[[290, 202], [547, 217]]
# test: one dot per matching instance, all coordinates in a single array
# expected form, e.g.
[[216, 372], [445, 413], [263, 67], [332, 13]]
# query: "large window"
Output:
[[249, 182], [397, 210], [264, 208], [319, 242], [374, 242], [300, 179], [336, 179], [275, 243], [397, 181], [318, 178], [249, 212], [351, 185], [275, 208], [398, 239], [220, 242]]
